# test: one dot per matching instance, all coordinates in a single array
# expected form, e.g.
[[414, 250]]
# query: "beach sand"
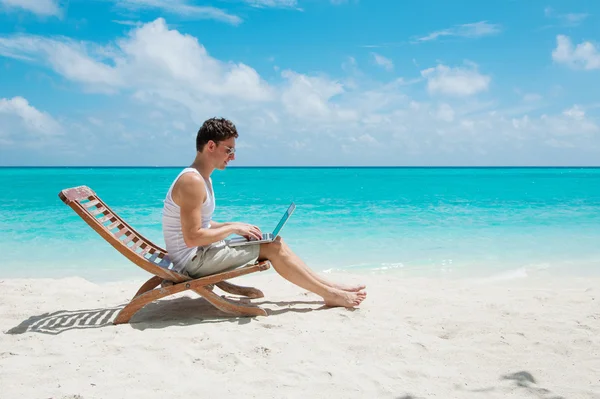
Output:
[[411, 338]]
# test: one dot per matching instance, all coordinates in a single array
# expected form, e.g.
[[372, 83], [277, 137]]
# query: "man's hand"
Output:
[[247, 230]]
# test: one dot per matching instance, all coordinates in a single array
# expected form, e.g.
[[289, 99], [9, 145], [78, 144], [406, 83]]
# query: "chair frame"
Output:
[[155, 260]]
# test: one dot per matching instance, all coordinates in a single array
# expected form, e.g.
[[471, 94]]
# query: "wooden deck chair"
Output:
[[155, 260]]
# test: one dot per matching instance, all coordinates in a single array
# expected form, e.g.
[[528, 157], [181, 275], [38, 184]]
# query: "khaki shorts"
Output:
[[218, 257]]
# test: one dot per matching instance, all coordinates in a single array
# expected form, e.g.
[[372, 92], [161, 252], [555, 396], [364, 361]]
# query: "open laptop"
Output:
[[267, 237]]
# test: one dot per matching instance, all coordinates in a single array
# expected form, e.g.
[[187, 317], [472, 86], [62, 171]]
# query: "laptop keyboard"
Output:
[[265, 236]]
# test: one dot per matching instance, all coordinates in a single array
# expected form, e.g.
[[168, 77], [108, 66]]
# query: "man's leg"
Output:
[[340, 286], [293, 269]]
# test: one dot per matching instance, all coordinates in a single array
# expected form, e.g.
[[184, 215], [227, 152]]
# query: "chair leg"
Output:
[[228, 306], [202, 286], [142, 300], [149, 285], [249, 292]]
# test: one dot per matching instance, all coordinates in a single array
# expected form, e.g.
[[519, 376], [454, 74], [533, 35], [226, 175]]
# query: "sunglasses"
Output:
[[230, 150]]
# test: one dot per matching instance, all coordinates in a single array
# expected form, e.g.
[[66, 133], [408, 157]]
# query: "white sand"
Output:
[[411, 338]]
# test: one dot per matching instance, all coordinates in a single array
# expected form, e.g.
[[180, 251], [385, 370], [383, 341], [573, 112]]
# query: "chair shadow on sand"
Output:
[[182, 311]]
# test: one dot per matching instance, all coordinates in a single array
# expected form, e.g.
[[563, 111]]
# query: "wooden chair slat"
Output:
[[113, 225], [136, 245], [122, 231], [129, 238], [105, 219], [90, 203], [97, 211], [144, 250]]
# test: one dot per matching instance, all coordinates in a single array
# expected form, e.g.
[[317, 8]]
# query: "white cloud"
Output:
[[44, 8], [583, 56], [181, 7], [365, 139], [68, 58], [473, 30], [566, 20], [383, 62], [575, 112], [293, 4], [34, 120], [572, 123], [152, 59], [445, 113], [455, 81], [308, 97], [127, 23], [273, 3], [574, 19], [173, 84]]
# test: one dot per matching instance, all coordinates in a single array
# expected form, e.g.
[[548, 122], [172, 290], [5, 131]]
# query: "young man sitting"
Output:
[[196, 243]]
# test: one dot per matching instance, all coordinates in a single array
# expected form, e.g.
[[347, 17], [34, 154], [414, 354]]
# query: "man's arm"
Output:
[[190, 193], [214, 225]]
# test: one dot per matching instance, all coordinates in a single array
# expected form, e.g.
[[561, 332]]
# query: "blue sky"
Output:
[[307, 82]]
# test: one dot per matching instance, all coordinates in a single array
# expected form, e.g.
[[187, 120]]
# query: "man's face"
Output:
[[225, 153]]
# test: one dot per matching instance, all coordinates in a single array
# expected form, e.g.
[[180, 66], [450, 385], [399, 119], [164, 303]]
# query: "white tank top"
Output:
[[179, 253]]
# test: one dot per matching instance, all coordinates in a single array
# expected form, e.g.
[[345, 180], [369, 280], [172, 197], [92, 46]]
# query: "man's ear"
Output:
[[211, 145]]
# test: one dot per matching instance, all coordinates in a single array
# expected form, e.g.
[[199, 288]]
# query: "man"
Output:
[[196, 243]]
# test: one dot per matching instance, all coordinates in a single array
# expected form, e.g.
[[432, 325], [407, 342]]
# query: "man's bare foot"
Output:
[[348, 287], [345, 298]]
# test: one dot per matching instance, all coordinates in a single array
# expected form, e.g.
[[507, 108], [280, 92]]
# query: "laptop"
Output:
[[266, 237]]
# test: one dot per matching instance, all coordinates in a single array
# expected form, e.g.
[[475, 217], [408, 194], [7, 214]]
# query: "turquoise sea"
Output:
[[434, 222]]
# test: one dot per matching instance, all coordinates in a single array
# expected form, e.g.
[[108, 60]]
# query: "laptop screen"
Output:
[[284, 219]]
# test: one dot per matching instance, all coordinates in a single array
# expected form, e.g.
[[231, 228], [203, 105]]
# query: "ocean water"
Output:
[[434, 222]]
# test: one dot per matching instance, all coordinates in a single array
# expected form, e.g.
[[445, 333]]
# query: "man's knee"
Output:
[[272, 249]]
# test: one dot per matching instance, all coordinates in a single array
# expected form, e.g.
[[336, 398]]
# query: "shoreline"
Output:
[[125, 271], [419, 337]]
